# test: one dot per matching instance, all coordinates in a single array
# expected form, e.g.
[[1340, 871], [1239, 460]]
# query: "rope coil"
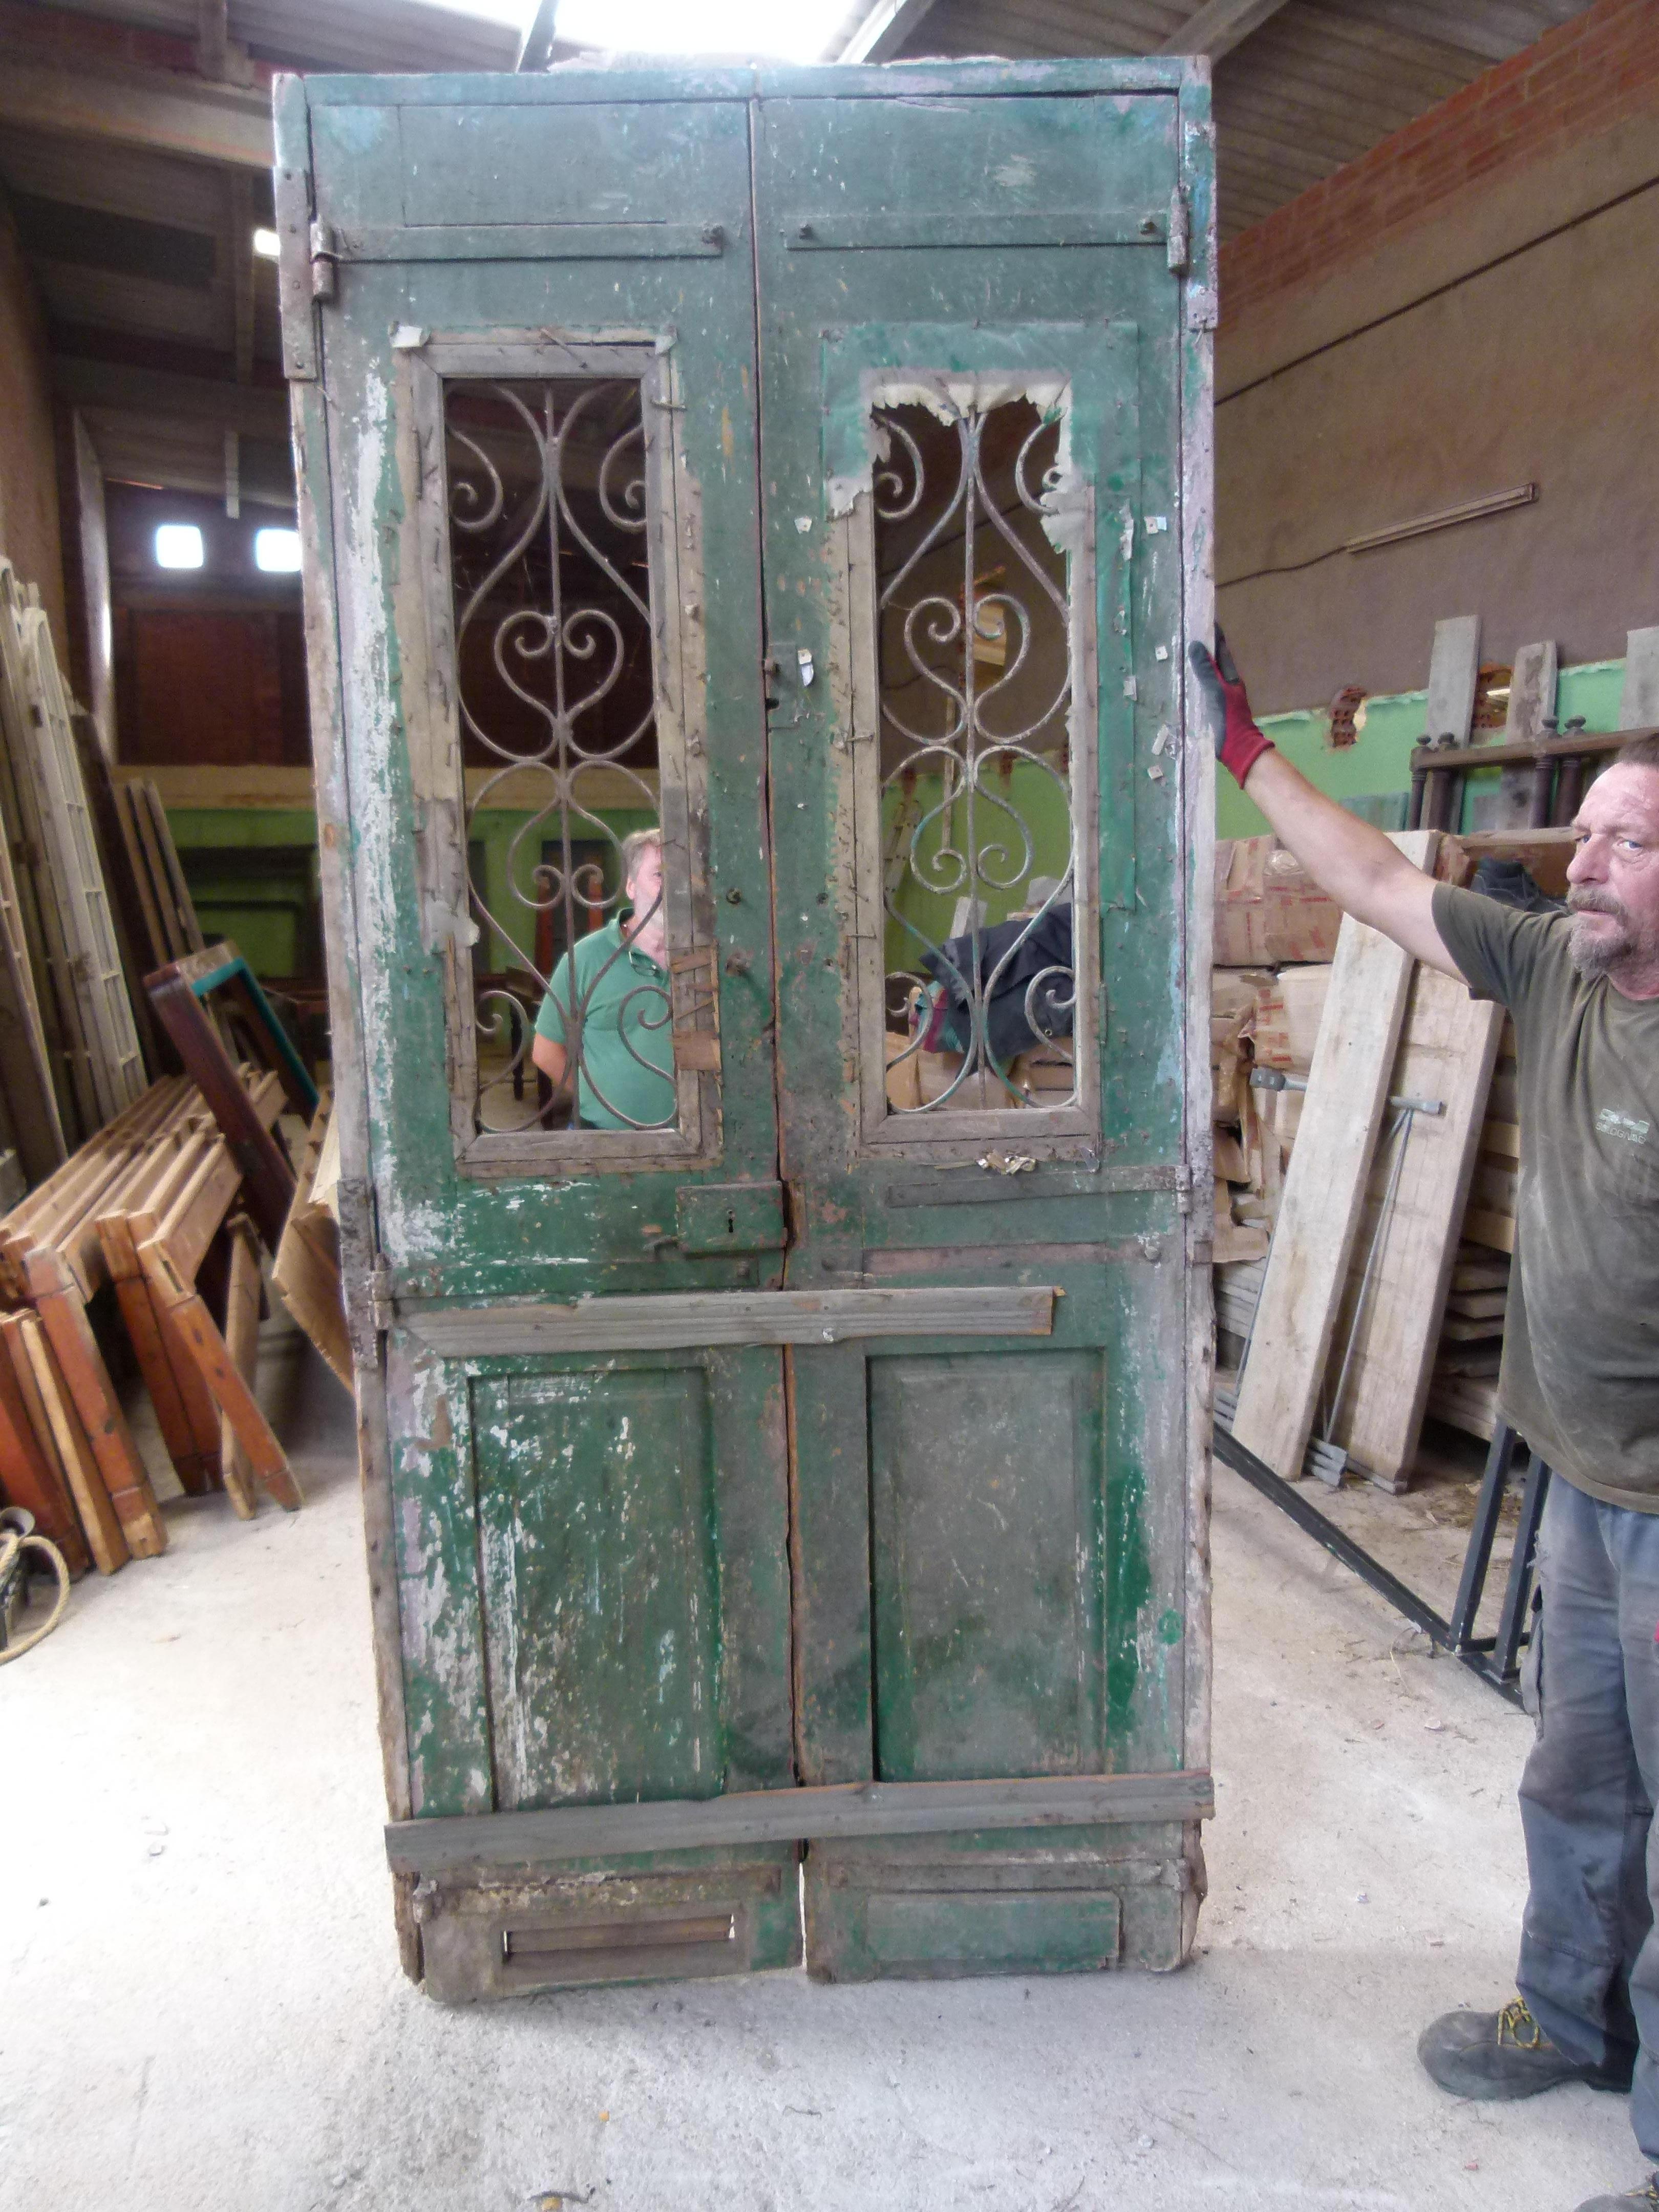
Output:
[[13, 1545]]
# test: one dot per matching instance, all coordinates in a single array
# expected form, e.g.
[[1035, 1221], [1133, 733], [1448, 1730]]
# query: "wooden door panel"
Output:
[[655, 1917], [985, 1515], [941, 1933], [1007, 1901], [594, 1555], [975, 552], [597, 1541]]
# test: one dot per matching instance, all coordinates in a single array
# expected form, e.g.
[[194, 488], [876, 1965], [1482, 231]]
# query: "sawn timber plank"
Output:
[[178, 1299], [242, 1343], [1448, 1047], [53, 1412], [62, 1313], [1324, 1193]]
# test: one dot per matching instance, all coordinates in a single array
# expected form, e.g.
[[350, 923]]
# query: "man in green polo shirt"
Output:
[[608, 1001]]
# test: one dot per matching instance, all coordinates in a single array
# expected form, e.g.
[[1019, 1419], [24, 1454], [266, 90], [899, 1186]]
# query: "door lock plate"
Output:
[[730, 1217]]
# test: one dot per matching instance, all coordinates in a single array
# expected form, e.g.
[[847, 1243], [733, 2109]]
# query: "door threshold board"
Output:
[[447, 1846]]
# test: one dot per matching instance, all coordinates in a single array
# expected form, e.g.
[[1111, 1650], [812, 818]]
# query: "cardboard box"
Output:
[[1288, 1015], [1268, 908]]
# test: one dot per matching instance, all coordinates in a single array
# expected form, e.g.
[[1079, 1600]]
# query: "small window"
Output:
[[585, 908], [179, 545], [979, 798], [267, 245], [276, 551]]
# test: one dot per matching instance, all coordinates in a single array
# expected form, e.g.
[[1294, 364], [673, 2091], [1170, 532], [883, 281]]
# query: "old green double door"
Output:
[[785, 1500]]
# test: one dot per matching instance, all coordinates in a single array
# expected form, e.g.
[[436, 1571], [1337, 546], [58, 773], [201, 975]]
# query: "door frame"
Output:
[[417, 1848]]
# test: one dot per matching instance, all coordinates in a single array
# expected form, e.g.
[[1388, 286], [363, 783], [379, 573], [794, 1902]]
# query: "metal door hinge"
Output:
[[325, 254], [380, 1298], [1184, 1183], [1179, 236]]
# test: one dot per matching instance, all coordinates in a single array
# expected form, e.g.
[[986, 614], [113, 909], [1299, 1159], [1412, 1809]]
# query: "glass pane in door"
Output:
[[974, 673]]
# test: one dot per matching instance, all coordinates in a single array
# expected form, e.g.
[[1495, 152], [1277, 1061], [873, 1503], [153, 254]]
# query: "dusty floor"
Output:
[[202, 2007]]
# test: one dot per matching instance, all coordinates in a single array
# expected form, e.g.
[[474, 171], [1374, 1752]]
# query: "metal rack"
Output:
[[1558, 766], [1496, 1659]]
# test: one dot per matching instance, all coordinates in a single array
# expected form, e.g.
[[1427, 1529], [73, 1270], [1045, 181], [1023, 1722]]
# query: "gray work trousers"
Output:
[[1589, 1957]]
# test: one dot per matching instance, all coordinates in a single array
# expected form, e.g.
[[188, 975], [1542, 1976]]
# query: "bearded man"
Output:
[[1580, 1382]]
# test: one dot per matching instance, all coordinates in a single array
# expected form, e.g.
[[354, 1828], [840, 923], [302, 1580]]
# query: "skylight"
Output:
[[276, 551], [673, 27], [179, 545]]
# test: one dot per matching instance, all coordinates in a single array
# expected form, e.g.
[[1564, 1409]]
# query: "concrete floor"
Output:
[[203, 2009]]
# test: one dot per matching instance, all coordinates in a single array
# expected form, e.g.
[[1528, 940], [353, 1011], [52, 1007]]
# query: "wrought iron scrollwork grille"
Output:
[[554, 646], [975, 666]]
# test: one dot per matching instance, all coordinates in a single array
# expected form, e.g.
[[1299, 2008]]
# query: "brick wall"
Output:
[[1588, 74]]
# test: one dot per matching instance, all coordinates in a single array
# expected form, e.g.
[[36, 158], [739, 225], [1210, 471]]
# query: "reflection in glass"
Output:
[[551, 592], [975, 665]]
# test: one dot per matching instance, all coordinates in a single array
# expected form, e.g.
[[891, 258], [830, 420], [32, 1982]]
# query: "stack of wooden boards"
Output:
[[1347, 1317], [1275, 935], [1464, 1388], [148, 1206]]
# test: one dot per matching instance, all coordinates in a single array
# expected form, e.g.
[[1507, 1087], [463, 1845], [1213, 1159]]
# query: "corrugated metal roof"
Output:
[[341, 35], [1319, 83]]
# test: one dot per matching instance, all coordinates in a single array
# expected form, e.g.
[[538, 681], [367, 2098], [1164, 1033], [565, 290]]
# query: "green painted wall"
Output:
[[1380, 760], [257, 907]]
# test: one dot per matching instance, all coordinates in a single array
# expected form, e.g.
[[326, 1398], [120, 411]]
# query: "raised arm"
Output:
[[1367, 875]]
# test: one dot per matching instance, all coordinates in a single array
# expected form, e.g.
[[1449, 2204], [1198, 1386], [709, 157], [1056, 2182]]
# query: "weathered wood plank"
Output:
[[1639, 697], [172, 1417], [1454, 672], [242, 1343], [1447, 1045], [53, 1411], [1532, 705], [178, 1299], [700, 1318], [1324, 1188], [839, 1809], [63, 1315], [30, 1474], [307, 1272]]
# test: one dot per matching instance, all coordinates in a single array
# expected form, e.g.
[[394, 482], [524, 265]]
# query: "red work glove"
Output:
[[1239, 742]]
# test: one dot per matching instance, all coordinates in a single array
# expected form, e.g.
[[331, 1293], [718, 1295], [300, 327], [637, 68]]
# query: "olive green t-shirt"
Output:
[[1580, 1378], [620, 995]]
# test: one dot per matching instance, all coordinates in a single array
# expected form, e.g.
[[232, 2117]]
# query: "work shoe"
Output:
[[1647, 2194], [1495, 2055]]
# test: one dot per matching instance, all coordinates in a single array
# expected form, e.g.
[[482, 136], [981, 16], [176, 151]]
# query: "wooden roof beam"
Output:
[[1220, 27], [884, 30], [249, 409], [170, 113]]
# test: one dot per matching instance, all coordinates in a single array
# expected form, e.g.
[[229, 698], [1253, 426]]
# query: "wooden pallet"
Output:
[[161, 1170], [199, 1172]]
